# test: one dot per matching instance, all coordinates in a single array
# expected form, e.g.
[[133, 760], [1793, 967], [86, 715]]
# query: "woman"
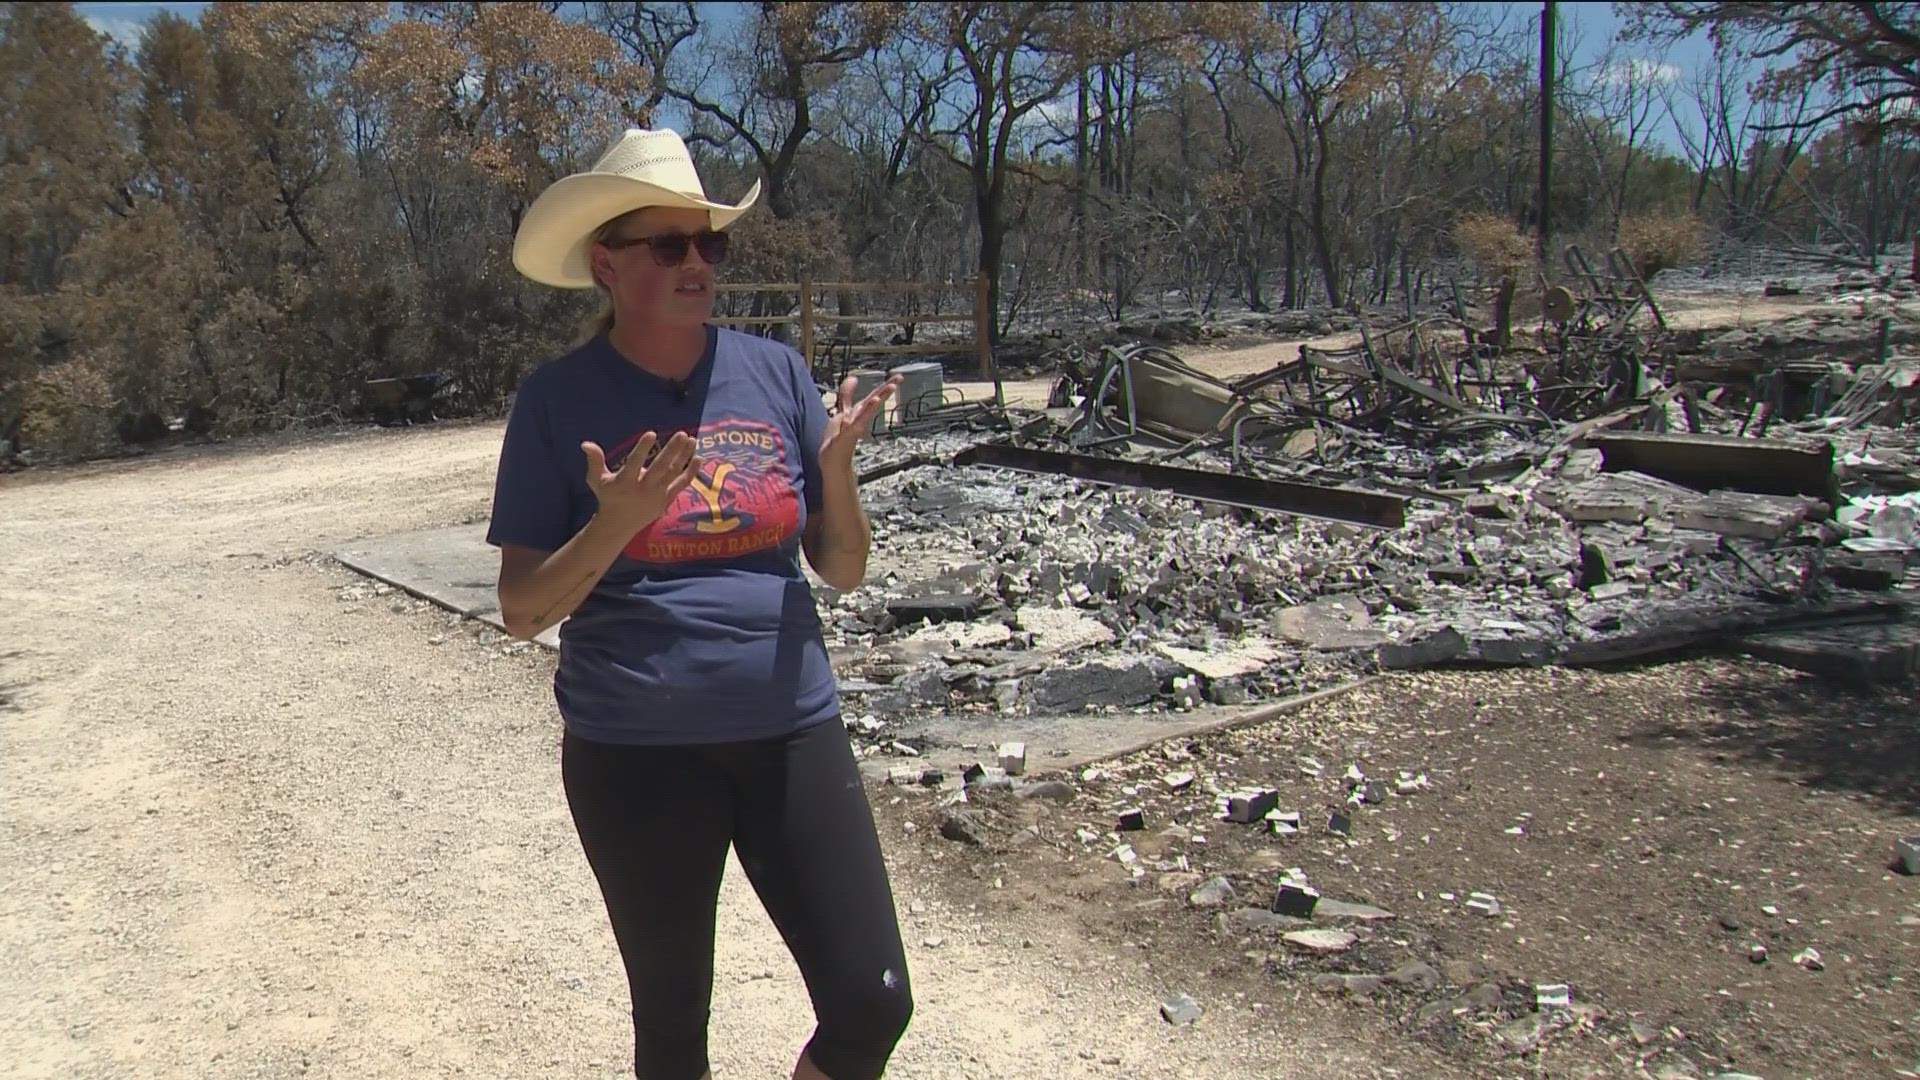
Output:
[[656, 488]]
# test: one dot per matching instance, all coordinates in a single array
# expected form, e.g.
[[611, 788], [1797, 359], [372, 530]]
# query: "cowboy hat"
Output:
[[645, 168]]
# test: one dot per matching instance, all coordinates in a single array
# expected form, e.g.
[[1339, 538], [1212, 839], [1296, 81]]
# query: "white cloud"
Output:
[[1059, 113], [1639, 71], [128, 32]]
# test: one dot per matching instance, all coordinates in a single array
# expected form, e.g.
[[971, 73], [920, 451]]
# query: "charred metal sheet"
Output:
[[1706, 462], [1306, 500]]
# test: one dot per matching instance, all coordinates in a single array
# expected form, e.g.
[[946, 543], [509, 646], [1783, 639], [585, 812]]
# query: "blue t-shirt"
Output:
[[704, 629]]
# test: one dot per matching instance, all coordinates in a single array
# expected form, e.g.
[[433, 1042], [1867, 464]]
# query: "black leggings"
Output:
[[655, 822]]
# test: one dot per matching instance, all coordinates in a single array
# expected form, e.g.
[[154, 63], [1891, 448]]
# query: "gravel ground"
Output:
[[1643, 830], [262, 819]]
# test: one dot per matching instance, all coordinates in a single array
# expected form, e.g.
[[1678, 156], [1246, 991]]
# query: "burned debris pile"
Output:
[[1158, 537]]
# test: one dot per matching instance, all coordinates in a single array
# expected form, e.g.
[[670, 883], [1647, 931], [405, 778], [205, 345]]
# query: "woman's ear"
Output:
[[600, 264]]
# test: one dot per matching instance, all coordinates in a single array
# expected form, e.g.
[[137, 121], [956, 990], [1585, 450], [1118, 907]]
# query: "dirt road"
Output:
[[260, 821]]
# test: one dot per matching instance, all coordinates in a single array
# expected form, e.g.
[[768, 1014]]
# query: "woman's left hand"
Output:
[[848, 423]]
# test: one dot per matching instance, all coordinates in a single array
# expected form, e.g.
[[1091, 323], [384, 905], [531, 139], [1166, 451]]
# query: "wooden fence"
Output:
[[810, 318]]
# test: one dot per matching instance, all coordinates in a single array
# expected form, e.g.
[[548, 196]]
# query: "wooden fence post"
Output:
[[806, 319]]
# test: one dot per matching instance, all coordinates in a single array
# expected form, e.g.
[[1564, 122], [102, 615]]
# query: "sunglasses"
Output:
[[670, 249]]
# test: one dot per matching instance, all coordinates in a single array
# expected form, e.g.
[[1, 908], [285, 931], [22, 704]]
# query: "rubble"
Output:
[[1159, 539], [1214, 892], [964, 826]]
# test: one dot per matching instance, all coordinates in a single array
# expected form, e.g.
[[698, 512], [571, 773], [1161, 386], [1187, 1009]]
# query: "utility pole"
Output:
[[1546, 125]]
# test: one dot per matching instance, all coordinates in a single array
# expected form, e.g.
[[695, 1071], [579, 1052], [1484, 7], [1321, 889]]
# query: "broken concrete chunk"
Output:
[[1284, 822], [1429, 649], [1246, 807], [1296, 899], [1006, 695], [1623, 496], [1060, 631], [1119, 682], [1906, 854], [1214, 892], [964, 826], [1248, 657], [1329, 625], [1484, 903], [938, 639], [1181, 1009], [1013, 758], [1734, 513], [988, 778], [1552, 995], [1612, 590], [1320, 942], [1489, 505], [1179, 781], [1186, 692], [1226, 692]]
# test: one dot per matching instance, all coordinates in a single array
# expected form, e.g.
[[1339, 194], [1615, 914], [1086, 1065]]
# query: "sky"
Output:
[[1591, 23]]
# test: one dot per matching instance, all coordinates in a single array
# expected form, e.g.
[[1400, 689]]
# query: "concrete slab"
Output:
[[454, 568]]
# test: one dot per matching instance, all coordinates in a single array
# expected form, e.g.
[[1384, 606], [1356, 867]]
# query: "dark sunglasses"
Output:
[[670, 249]]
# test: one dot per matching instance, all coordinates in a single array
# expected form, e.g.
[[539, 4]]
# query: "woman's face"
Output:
[[644, 292]]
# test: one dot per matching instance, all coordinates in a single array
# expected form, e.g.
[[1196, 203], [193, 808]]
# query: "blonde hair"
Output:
[[601, 321]]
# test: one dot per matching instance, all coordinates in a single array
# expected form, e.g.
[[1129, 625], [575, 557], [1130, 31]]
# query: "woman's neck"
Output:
[[670, 354]]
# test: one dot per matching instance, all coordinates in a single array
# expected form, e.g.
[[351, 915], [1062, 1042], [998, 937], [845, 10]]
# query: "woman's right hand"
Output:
[[639, 493]]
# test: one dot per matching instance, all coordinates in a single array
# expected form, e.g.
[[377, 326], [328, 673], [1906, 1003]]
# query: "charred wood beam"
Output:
[[1349, 505], [1706, 462]]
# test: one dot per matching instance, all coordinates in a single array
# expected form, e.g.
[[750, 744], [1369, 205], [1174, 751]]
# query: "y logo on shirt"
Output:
[[743, 501]]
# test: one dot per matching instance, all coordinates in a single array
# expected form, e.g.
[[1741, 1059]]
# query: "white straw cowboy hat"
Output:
[[645, 168]]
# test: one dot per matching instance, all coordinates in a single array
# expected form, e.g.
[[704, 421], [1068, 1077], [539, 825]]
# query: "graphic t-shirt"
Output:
[[704, 629]]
